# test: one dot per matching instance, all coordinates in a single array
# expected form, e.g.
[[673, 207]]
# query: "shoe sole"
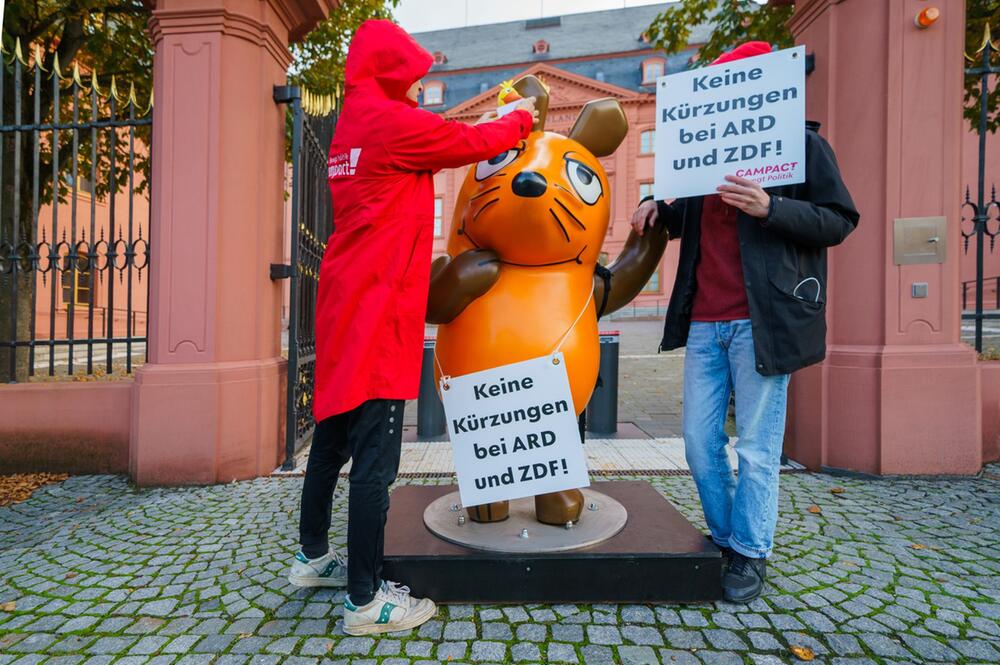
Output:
[[407, 624], [316, 582]]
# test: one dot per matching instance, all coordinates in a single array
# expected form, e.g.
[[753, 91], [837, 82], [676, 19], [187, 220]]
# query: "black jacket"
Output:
[[784, 262]]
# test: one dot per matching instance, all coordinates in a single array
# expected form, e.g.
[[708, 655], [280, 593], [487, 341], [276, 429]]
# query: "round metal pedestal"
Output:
[[602, 518]]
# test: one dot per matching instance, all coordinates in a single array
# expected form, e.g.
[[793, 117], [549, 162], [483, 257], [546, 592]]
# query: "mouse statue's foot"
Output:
[[489, 512], [559, 507]]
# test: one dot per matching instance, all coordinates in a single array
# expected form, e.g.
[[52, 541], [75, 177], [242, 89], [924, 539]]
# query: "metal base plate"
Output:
[[602, 519]]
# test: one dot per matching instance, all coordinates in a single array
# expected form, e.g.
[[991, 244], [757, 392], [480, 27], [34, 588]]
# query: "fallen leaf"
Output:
[[815, 510], [917, 546], [9, 607], [802, 653], [243, 636], [71, 574], [329, 645], [836, 490]]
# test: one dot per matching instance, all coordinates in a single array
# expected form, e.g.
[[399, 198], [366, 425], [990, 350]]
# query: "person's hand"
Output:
[[489, 116], [528, 104], [746, 195], [644, 216]]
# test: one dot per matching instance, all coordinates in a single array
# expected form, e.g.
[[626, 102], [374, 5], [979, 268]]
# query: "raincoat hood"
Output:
[[385, 57], [745, 50]]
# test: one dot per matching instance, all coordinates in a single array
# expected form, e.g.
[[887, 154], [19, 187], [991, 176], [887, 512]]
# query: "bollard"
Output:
[[602, 411], [430, 411]]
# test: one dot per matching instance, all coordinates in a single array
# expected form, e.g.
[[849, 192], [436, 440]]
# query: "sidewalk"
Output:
[[885, 571]]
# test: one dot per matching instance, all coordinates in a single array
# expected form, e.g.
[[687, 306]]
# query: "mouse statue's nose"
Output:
[[529, 183]]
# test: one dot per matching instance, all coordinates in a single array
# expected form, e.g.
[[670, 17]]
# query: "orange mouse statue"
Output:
[[522, 276]]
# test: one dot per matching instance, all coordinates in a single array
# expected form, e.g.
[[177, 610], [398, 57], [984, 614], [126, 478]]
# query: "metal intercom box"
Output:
[[919, 240]]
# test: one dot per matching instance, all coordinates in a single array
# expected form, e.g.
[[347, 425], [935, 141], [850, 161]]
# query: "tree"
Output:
[[105, 38], [737, 21]]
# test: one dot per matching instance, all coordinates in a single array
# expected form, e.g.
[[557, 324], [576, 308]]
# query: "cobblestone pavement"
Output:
[[885, 571]]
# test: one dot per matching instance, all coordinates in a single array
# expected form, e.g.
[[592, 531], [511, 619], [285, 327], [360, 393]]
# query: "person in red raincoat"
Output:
[[371, 305]]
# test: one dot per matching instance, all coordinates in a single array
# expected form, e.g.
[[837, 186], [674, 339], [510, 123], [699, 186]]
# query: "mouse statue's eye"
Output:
[[492, 166], [584, 181]]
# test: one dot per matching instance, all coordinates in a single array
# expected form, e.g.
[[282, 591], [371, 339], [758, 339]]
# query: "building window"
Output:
[[653, 285], [651, 70], [438, 216], [76, 283], [541, 46], [434, 93], [647, 142], [645, 189]]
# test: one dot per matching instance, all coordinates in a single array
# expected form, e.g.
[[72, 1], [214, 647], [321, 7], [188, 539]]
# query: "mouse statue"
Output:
[[522, 275]]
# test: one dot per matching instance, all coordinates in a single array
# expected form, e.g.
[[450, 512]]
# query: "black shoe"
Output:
[[745, 578]]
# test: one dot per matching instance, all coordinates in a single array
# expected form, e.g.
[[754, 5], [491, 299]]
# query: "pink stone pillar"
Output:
[[208, 407], [899, 392]]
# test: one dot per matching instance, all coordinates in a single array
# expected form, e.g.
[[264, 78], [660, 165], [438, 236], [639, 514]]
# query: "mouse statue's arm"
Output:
[[456, 283], [626, 276]]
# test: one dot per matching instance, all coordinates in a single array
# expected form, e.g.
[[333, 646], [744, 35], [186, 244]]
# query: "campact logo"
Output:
[[768, 173], [343, 164]]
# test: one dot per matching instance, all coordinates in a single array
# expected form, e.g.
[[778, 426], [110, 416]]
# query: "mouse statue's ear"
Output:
[[601, 126], [532, 86]]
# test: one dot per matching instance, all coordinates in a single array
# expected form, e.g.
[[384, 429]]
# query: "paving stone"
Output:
[[683, 639], [558, 652], [497, 631], [182, 644], [843, 644], [929, 649], [674, 657], [720, 658], [316, 646], [764, 641], [633, 655], [597, 655], [419, 649], [724, 639], [452, 651], [604, 635], [431, 630], [533, 632], [214, 643], [110, 645], [149, 645], [522, 652], [642, 635], [637, 614], [483, 651], [567, 633], [460, 630]]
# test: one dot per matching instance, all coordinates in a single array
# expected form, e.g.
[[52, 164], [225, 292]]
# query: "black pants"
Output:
[[371, 435]]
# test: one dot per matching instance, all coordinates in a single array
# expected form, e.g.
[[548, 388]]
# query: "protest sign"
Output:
[[514, 431], [744, 118]]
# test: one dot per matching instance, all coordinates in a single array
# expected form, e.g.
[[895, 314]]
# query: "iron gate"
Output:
[[74, 220], [982, 211], [312, 123]]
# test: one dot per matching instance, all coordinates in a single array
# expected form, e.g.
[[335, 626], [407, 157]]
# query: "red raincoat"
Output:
[[375, 273]]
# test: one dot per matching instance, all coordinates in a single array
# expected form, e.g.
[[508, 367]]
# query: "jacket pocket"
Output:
[[808, 290]]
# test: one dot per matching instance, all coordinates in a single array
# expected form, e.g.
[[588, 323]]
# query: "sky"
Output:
[[423, 15]]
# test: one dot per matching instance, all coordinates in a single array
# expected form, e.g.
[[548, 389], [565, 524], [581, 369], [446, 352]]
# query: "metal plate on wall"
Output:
[[602, 519], [919, 240]]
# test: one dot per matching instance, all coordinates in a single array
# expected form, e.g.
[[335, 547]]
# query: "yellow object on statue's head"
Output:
[[507, 93]]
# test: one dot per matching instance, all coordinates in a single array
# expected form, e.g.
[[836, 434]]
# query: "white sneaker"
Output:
[[392, 609], [327, 570]]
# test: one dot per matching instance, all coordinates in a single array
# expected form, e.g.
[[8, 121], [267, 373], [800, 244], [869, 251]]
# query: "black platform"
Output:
[[658, 556]]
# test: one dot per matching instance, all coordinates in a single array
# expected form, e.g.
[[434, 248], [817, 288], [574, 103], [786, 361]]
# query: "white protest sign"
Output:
[[744, 118], [514, 431]]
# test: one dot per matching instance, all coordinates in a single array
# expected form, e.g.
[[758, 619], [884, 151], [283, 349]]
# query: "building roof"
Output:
[[569, 36]]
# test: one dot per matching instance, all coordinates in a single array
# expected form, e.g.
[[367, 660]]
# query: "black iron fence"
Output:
[[312, 123], [984, 215], [74, 220]]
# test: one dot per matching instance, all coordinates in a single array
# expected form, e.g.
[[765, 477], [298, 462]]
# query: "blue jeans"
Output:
[[741, 512]]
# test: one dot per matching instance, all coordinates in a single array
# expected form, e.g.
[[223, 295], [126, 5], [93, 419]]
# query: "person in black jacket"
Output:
[[749, 304]]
